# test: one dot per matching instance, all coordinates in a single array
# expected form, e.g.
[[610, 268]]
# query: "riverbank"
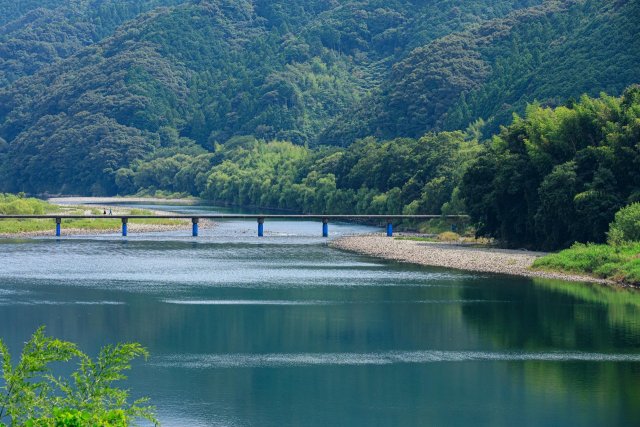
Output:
[[456, 256], [109, 229], [25, 228]]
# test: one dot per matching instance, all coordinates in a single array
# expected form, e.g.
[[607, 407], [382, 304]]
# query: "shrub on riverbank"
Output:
[[619, 260], [11, 204], [33, 396], [626, 225], [620, 263]]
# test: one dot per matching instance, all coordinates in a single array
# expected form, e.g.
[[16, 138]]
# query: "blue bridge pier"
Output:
[[194, 226], [260, 227]]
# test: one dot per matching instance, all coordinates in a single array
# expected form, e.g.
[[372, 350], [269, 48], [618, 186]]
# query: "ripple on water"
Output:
[[14, 302], [275, 360], [320, 302]]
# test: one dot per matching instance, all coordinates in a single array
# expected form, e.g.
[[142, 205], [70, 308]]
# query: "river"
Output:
[[285, 331]]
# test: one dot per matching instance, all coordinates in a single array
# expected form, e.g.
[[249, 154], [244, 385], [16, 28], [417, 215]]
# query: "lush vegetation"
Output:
[[626, 226], [549, 54], [619, 263], [383, 177], [11, 204], [549, 179], [370, 107], [557, 176], [91, 87], [32, 394], [619, 260], [34, 34]]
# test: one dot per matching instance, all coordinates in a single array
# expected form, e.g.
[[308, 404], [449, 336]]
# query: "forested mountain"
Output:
[[548, 54], [34, 34], [105, 97]]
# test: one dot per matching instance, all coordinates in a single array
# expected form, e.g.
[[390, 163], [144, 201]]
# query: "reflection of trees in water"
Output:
[[546, 316], [345, 319]]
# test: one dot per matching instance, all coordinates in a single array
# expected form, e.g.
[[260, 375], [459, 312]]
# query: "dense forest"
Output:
[[331, 106], [559, 175], [550, 178]]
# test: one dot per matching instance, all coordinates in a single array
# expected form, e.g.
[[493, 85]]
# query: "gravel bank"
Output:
[[487, 260]]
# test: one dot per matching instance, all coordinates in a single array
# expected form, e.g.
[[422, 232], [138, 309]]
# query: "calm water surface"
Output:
[[285, 331]]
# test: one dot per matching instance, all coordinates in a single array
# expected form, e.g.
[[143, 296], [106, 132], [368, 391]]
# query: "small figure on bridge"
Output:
[[110, 213], [104, 212]]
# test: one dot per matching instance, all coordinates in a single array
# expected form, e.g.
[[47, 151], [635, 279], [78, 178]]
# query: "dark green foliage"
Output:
[[101, 97], [214, 69], [396, 176], [550, 53], [15, 9], [72, 154], [43, 32], [558, 175]]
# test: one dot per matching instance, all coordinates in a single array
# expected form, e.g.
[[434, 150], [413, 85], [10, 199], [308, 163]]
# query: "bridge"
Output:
[[195, 219]]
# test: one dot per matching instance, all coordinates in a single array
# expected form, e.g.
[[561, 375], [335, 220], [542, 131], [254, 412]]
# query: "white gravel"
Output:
[[457, 256]]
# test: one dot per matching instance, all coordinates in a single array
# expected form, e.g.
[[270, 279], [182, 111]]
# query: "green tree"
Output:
[[626, 226]]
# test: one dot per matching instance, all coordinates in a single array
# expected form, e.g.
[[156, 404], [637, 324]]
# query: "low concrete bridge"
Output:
[[195, 219]]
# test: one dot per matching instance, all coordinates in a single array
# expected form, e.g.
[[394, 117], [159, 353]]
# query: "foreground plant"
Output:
[[32, 396]]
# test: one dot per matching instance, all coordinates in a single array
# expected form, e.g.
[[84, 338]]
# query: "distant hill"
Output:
[[87, 87], [548, 54], [34, 34]]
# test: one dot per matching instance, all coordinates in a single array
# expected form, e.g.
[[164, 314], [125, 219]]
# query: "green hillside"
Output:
[[34, 34], [127, 96], [549, 54], [550, 178], [209, 70]]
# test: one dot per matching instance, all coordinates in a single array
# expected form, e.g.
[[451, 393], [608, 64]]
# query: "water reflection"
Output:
[[291, 332], [549, 314]]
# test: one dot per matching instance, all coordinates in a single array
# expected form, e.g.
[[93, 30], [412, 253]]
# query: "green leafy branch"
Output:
[[33, 396]]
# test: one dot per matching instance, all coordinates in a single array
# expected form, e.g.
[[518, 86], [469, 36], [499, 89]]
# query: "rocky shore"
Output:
[[451, 255]]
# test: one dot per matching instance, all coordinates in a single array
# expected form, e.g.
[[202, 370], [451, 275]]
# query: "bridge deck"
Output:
[[195, 219], [233, 216]]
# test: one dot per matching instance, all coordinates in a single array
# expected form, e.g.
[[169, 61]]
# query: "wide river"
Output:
[[285, 331]]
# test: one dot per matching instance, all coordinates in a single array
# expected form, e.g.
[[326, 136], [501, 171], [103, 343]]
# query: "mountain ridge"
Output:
[[333, 73]]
